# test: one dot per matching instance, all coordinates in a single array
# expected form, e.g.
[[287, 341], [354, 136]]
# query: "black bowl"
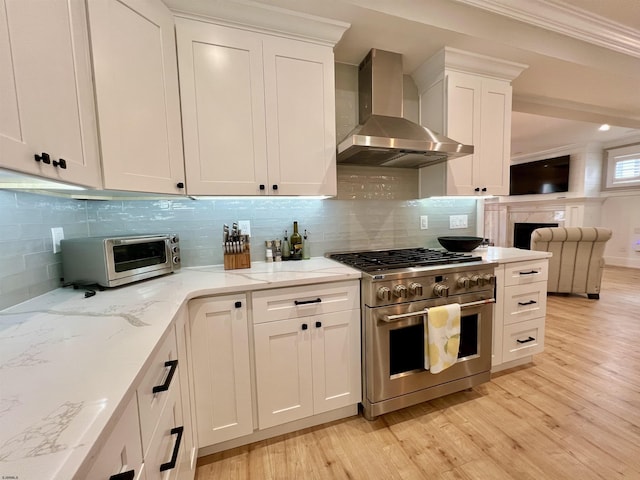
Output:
[[460, 243]]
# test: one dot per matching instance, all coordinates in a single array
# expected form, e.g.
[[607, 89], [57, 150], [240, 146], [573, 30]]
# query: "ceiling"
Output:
[[583, 55]]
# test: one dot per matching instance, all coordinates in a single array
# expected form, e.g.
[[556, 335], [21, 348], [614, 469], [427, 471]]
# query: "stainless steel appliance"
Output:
[[384, 138], [397, 289], [114, 261]]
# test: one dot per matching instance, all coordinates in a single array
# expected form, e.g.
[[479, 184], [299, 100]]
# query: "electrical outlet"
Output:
[[424, 222], [245, 227], [458, 221], [57, 234]]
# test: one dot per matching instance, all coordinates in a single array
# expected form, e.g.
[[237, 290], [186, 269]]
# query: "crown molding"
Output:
[[567, 20]]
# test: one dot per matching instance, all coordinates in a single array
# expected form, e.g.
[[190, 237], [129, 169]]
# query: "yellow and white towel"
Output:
[[441, 337]]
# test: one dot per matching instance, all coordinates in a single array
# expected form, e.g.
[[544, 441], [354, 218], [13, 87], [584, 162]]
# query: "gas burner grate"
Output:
[[381, 260]]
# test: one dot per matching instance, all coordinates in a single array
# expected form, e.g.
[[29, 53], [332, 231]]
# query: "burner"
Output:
[[381, 260]]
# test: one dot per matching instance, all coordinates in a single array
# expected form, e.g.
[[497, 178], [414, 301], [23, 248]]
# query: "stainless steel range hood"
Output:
[[383, 137]]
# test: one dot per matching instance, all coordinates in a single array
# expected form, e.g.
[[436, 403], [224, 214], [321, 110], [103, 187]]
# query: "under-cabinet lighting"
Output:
[[249, 197], [604, 127]]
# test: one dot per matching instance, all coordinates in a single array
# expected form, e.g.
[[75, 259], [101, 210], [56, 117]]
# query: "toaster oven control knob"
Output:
[[464, 282], [175, 249], [415, 288], [174, 238], [384, 293], [477, 280], [440, 290], [176, 259], [400, 291]]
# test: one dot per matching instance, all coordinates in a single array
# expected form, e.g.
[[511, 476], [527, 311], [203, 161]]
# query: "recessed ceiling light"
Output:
[[604, 127]]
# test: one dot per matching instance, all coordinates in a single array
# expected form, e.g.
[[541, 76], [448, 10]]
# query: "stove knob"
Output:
[[400, 291], [415, 288], [489, 279], [464, 282], [384, 293], [441, 290], [477, 280]]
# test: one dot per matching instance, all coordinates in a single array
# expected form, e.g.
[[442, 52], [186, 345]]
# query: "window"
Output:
[[623, 167]]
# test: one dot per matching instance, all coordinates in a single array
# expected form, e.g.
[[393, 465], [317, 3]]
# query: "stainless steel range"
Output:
[[397, 289]]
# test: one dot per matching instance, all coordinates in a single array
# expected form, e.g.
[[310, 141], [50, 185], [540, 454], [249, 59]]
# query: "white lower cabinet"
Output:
[[519, 316], [121, 455], [221, 371], [307, 362]]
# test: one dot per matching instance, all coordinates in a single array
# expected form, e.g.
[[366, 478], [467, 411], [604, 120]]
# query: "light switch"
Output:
[[424, 222]]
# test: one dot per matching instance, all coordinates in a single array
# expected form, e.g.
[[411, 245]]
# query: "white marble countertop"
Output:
[[68, 362], [509, 255]]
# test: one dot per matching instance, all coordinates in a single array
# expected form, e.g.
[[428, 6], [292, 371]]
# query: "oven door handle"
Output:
[[401, 316]]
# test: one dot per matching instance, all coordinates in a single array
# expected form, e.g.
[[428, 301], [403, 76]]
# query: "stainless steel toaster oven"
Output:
[[115, 261]]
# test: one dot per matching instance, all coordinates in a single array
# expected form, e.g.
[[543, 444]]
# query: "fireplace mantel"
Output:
[[501, 213]]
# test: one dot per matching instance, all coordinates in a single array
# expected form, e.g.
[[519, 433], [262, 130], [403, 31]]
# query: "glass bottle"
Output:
[[286, 249], [306, 254], [296, 243]]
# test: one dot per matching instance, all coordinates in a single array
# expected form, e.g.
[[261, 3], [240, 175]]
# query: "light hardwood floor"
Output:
[[574, 413]]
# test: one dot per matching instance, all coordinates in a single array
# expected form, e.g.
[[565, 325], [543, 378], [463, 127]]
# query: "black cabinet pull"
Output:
[[484, 189], [262, 187], [530, 302], [477, 189], [62, 163], [532, 272], [275, 187], [174, 456], [44, 158], [173, 366], [238, 304], [128, 475], [306, 302], [180, 184], [530, 339], [304, 326], [318, 324]]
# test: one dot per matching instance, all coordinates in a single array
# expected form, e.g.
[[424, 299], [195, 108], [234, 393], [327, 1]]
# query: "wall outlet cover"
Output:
[[245, 227], [57, 234], [458, 221], [424, 222]]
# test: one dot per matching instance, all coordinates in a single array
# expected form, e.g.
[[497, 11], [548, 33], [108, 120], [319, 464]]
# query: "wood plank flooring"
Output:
[[574, 413]]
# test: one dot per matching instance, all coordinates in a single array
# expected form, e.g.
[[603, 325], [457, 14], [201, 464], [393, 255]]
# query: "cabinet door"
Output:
[[336, 360], [121, 451], [283, 371], [491, 168], [300, 108], [222, 95], [221, 375], [46, 90], [189, 441], [463, 93], [136, 80]]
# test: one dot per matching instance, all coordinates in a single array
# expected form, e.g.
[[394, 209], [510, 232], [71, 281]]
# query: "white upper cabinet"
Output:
[[46, 92], [258, 112], [137, 95], [467, 97]]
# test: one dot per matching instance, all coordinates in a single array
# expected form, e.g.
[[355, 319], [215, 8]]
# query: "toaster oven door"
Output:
[[137, 258]]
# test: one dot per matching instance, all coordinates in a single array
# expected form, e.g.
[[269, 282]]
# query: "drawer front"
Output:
[[523, 339], [525, 302], [158, 375], [521, 273], [304, 301], [167, 443], [121, 452]]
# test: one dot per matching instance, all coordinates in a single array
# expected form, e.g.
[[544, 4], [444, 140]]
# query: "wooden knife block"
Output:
[[233, 261]]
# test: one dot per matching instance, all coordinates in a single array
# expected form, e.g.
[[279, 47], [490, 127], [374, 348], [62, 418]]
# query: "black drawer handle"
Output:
[[307, 302], [173, 366], [176, 448], [44, 158], [530, 302], [238, 304], [530, 339], [62, 163], [532, 272], [128, 475]]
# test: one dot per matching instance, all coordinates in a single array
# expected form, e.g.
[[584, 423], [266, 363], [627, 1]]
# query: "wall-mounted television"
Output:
[[542, 176]]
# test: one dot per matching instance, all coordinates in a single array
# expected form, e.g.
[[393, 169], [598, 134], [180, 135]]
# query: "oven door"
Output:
[[394, 343], [138, 257]]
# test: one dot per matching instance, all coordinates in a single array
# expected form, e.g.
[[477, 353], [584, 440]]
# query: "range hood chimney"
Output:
[[383, 137]]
